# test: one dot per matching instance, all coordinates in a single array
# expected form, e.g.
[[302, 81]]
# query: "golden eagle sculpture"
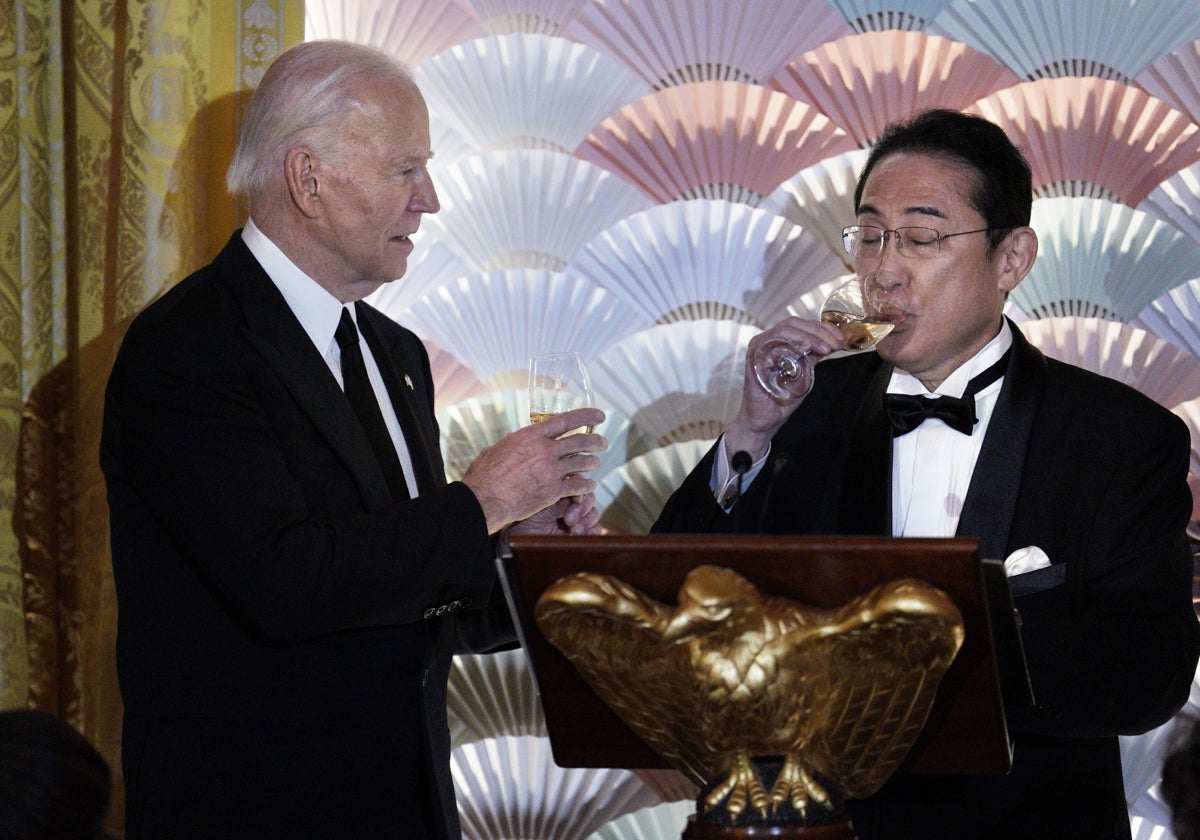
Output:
[[831, 698]]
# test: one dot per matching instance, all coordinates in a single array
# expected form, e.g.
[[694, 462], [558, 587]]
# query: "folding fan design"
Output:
[[1177, 201], [493, 694], [565, 202], [678, 381], [1160, 370], [545, 17], [495, 321], [1102, 259], [1094, 138], [525, 91], [713, 140], [704, 258], [1175, 79], [1109, 39], [511, 787], [820, 199], [632, 496], [882, 15], [411, 30], [1173, 317], [863, 82], [674, 42]]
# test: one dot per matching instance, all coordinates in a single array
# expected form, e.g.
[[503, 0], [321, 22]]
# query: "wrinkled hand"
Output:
[[534, 468], [760, 415], [574, 515]]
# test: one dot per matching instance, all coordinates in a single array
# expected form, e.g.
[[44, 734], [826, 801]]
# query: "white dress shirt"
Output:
[[319, 313], [925, 502], [932, 465]]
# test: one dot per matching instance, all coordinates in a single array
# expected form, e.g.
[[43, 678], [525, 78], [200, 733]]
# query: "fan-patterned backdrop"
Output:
[[650, 182]]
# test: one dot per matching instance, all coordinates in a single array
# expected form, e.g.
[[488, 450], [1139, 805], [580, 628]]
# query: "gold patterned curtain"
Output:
[[118, 119]]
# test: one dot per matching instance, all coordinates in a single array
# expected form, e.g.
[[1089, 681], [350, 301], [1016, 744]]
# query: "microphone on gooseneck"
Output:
[[741, 465]]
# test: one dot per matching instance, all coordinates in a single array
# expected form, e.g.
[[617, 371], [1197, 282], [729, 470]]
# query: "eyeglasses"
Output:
[[920, 242]]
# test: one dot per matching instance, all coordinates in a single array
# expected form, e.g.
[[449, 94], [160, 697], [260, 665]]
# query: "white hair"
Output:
[[307, 91]]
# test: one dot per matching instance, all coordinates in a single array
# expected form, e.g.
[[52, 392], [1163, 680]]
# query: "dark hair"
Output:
[[1004, 182], [54, 785], [1180, 784]]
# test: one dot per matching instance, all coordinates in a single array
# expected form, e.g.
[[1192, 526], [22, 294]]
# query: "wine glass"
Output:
[[558, 382], [785, 371]]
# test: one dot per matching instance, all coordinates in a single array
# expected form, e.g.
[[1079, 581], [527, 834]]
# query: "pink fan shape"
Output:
[[865, 81], [724, 140], [1095, 138]]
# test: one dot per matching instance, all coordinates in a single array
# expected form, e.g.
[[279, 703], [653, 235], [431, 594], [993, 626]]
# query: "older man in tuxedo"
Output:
[[293, 571], [958, 426]]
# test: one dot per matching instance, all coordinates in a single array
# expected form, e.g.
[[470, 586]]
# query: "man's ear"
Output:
[[1017, 254], [300, 167]]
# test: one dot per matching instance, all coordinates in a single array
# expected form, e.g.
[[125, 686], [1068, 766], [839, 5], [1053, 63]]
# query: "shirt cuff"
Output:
[[724, 481]]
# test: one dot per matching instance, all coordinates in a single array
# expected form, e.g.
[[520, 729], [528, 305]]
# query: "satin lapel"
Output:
[[393, 365], [276, 334], [991, 501], [866, 500]]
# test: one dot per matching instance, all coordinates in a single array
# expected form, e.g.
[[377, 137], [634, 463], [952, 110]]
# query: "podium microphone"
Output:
[[741, 463]]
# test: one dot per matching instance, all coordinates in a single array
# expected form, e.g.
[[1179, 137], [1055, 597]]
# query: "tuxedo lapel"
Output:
[[276, 334], [395, 366], [991, 500]]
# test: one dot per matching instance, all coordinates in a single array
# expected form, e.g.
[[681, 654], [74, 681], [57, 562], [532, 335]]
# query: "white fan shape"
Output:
[[1177, 201], [631, 497], [667, 819], [495, 321], [863, 82], [527, 208], [820, 199], [546, 17], [704, 258], [1173, 317], [678, 381], [673, 42], [882, 15], [411, 30], [1093, 137], [1175, 79], [1158, 369], [431, 264], [509, 787], [494, 694], [526, 91], [1111, 39], [1101, 259], [713, 140]]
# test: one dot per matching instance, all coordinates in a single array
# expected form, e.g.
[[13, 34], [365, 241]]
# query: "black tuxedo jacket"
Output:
[[285, 631], [1087, 469]]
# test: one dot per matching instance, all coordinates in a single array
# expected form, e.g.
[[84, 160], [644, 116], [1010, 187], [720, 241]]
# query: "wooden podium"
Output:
[[965, 732]]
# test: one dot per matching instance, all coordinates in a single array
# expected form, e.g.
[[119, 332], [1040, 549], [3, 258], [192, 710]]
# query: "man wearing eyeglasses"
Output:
[[958, 426]]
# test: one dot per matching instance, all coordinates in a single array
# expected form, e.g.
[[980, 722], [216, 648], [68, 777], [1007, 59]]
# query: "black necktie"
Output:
[[907, 411], [366, 406]]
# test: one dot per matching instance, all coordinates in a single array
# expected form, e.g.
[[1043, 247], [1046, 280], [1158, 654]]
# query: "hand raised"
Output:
[[534, 467]]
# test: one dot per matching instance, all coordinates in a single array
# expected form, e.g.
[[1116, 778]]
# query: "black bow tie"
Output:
[[907, 411]]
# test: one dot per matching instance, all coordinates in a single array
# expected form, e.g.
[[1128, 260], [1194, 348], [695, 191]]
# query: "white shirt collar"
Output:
[[317, 310], [955, 384]]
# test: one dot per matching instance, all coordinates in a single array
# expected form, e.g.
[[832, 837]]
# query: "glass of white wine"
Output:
[[558, 382], [785, 371]]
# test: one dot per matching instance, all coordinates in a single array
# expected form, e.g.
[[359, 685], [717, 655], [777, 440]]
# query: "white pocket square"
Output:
[[1023, 560]]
